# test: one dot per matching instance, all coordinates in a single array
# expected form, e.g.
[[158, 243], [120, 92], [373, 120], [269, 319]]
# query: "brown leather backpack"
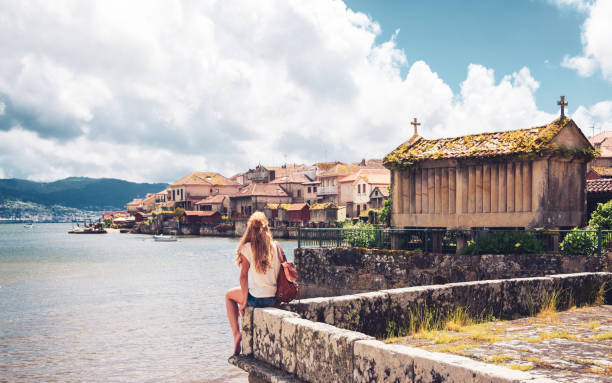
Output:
[[287, 288]]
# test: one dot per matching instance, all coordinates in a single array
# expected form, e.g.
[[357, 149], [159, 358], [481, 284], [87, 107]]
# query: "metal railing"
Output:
[[326, 190], [474, 241]]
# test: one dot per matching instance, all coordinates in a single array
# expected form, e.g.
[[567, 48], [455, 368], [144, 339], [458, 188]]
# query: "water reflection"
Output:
[[119, 308]]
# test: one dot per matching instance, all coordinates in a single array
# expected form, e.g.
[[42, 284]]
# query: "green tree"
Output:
[[579, 242], [385, 212], [601, 218], [179, 213]]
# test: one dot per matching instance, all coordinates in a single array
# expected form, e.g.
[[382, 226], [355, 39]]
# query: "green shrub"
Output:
[[385, 212], [504, 242], [361, 235], [579, 242], [601, 218]]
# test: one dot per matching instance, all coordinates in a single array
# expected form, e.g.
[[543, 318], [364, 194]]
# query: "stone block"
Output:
[[324, 353], [247, 331], [524, 296], [344, 312], [267, 334], [311, 309], [375, 361], [375, 306]]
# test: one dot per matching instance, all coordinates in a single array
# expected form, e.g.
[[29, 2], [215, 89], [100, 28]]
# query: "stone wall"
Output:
[[317, 342], [370, 313], [340, 271]]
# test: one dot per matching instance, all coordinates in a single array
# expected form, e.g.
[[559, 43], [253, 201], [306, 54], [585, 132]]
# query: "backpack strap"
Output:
[[281, 253]]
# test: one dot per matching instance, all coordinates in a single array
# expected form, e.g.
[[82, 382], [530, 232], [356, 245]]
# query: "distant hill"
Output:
[[78, 192]]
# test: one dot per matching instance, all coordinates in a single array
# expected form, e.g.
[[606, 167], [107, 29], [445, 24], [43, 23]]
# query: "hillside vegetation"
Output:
[[77, 192]]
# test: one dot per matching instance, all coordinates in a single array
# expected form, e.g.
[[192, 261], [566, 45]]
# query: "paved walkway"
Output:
[[570, 346]]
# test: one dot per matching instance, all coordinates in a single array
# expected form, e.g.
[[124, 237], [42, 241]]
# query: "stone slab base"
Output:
[[262, 372]]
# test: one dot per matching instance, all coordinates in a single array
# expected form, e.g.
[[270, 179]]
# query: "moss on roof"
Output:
[[498, 144], [323, 206]]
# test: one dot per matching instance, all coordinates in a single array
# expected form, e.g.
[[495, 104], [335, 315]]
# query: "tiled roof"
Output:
[[339, 170], [603, 142], [293, 178], [381, 190], [295, 206], [602, 185], [371, 176], [263, 190], [213, 199], [512, 142], [205, 178], [206, 213]]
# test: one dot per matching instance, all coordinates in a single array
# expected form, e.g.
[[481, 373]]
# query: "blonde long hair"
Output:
[[260, 238]]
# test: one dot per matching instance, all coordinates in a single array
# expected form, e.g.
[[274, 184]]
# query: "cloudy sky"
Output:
[[151, 90]]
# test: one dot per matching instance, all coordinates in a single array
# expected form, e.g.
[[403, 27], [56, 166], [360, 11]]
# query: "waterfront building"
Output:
[[219, 202], [255, 197], [524, 178], [202, 217], [196, 186], [134, 206], [329, 190]]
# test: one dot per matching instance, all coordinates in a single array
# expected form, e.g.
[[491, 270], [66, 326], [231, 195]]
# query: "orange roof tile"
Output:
[[602, 185], [205, 178], [371, 176], [264, 190], [213, 199]]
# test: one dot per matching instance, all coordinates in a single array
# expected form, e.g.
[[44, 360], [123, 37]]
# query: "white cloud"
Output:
[[598, 115], [585, 66], [581, 5], [2, 107], [597, 50], [150, 90]]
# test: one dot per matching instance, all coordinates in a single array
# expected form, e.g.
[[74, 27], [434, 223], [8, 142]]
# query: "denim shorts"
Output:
[[261, 302]]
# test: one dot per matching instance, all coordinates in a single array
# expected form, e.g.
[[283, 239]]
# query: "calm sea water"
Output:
[[115, 307]]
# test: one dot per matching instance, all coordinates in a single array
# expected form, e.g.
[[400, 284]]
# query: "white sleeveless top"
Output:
[[262, 285]]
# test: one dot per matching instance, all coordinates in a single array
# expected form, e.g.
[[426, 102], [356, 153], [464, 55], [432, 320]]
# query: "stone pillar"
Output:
[[436, 241], [460, 242]]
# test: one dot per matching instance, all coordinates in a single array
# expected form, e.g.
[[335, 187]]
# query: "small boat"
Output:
[[29, 225], [164, 238]]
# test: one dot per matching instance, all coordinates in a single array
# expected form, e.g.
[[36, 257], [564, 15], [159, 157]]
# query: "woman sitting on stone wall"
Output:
[[258, 259]]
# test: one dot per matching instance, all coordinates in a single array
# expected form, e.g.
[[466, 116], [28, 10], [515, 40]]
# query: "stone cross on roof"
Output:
[[563, 104], [415, 124]]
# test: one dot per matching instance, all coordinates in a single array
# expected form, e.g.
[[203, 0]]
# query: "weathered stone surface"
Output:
[[324, 353], [341, 271], [524, 296], [288, 352], [247, 331], [312, 309], [375, 361], [267, 334], [261, 371]]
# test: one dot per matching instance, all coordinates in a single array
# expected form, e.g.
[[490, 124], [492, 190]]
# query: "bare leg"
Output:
[[232, 297]]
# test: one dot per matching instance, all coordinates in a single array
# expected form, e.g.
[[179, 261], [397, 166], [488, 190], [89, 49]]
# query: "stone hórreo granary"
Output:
[[523, 178]]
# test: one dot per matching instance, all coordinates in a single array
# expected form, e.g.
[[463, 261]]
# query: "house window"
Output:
[[314, 189], [299, 193], [365, 207], [174, 195], [309, 191]]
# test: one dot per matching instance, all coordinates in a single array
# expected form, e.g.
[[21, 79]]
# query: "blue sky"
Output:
[[150, 90], [502, 35]]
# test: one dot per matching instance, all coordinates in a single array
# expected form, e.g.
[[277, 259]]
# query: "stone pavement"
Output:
[[571, 346]]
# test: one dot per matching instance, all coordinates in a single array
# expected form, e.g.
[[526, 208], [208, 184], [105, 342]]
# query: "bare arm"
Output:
[[244, 283]]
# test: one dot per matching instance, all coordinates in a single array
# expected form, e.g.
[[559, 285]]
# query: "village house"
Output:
[[329, 190], [310, 191], [295, 184], [134, 206], [525, 178], [255, 197], [161, 199], [355, 189], [602, 142], [219, 203], [196, 186], [148, 203], [378, 195]]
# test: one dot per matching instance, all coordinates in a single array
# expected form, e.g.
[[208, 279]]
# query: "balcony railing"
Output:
[[327, 190]]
